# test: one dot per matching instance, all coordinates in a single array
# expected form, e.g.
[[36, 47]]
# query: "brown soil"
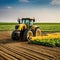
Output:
[[21, 50]]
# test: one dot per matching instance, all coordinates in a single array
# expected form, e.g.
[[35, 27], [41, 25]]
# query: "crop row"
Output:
[[51, 40]]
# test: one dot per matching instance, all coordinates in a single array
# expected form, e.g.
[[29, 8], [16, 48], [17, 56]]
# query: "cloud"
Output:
[[25, 1], [8, 7], [55, 2]]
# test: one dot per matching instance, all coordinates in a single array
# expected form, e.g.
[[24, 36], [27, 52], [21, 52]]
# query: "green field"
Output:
[[7, 26], [50, 27], [46, 42]]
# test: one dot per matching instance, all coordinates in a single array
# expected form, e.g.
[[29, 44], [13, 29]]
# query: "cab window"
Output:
[[27, 21], [31, 22]]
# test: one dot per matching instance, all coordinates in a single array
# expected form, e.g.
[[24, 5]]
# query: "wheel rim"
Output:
[[38, 32], [29, 35]]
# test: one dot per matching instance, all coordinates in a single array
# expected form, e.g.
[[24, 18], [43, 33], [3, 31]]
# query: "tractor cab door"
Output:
[[27, 23]]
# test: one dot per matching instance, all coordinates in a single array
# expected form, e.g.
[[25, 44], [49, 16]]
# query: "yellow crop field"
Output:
[[48, 40], [48, 36]]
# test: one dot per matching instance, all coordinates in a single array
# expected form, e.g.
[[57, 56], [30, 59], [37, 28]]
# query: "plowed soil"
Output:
[[21, 50]]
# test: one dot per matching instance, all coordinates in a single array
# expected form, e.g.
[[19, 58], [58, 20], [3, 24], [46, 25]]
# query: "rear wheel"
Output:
[[28, 34], [37, 32], [15, 35]]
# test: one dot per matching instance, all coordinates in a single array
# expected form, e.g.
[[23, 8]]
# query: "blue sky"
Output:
[[42, 10], [24, 3]]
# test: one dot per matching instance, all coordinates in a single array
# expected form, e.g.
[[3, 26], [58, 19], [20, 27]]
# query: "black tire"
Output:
[[37, 31], [33, 32], [26, 33], [15, 35]]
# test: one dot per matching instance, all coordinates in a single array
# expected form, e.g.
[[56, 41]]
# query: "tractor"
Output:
[[25, 29]]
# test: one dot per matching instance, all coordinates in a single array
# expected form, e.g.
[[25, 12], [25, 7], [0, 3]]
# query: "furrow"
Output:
[[11, 53], [39, 53], [29, 53], [41, 49], [20, 53], [1, 57], [27, 56], [6, 56]]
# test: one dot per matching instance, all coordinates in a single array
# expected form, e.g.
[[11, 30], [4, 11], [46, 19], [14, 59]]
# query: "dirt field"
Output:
[[20, 50]]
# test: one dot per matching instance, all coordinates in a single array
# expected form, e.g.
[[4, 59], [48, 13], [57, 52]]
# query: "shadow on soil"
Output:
[[6, 41], [9, 40]]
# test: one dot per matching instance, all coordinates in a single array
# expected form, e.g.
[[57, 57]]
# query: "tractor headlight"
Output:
[[16, 27]]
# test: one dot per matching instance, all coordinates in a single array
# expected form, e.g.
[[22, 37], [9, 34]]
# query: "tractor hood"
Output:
[[22, 26]]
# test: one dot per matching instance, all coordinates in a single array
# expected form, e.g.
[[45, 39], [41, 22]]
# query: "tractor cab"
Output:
[[27, 21]]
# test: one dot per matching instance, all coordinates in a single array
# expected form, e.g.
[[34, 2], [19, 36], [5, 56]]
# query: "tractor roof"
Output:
[[27, 19]]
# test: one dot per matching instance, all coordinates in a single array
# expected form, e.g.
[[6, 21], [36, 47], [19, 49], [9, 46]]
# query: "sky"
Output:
[[47, 11]]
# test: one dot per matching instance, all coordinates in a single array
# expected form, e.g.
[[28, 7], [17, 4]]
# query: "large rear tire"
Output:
[[28, 34], [37, 32], [15, 35]]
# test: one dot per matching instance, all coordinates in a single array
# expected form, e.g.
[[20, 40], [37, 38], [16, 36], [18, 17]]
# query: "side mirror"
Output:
[[19, 21], [34, 20]]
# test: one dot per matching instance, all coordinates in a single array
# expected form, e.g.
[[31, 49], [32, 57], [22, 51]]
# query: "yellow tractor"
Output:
[[25, 29]]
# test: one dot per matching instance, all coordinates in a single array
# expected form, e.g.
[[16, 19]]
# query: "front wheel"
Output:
[[28, 34], [15, 35]]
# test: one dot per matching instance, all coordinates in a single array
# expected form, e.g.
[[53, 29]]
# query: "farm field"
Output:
[[10, 49], [47, 27], [51, 40], [21, 50]]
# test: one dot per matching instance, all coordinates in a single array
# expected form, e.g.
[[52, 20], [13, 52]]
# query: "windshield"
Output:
[[27, 22]]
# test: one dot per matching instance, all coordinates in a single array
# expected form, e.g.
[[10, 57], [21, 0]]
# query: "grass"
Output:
[[50, 27], [7, 27]]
